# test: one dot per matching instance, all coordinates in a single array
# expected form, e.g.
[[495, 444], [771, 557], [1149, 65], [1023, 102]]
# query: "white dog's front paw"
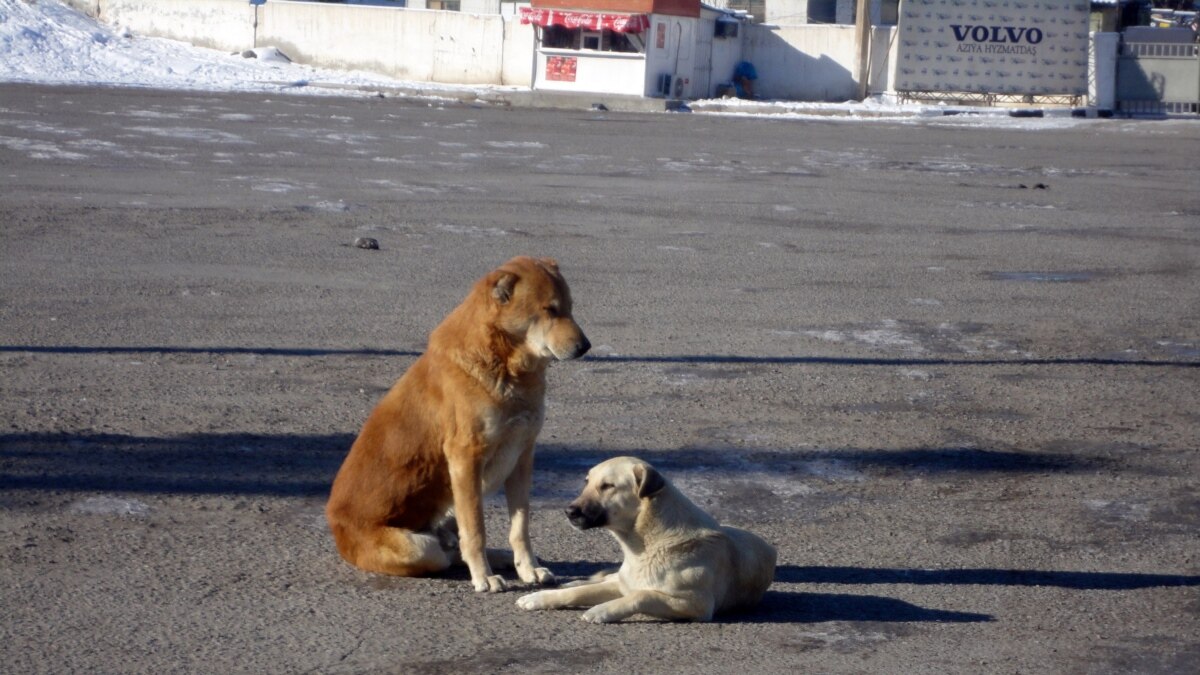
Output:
[[532, 601], [492, 584], [598, 614]]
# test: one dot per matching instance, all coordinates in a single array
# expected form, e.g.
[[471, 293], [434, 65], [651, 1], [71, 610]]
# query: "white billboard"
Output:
[[1035, 47]]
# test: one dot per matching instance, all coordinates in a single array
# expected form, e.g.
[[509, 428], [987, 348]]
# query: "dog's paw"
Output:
[[492, 584], [540, 576], [598, 614], [532, 601], [545, 577]]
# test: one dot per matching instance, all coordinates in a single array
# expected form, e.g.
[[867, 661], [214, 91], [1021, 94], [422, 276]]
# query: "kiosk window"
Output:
[[560, 37]]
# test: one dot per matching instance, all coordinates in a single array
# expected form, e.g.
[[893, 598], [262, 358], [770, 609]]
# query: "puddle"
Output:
[[1043, 277]]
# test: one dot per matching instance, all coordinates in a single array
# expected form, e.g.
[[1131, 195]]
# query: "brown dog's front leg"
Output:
[[466, 483], [516, 492]]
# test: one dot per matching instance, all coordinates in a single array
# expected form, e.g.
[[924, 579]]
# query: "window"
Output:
[[559, 37], [592, 39], [822, 11]]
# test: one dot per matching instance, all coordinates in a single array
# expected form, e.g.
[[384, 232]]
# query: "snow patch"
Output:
[[514, 144], [111, 506], [472, 231], [887, 336]]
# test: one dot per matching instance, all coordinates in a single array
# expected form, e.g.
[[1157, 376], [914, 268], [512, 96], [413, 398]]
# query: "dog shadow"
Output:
[[786, 606], [796, 607], [779, 606]]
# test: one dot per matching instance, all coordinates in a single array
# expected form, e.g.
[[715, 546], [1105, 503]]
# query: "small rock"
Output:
[[367, 243]]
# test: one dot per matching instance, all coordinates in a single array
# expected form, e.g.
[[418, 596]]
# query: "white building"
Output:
[[669, 48]]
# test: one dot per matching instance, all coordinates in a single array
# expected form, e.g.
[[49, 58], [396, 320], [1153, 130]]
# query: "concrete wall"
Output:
[[419, 45], [883, 59], [802, 63], [520, 45], [219, 24], [816, 63], [786, 12], [479, 6]]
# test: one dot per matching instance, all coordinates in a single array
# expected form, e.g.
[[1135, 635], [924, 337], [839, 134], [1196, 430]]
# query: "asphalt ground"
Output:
[[949, 369]]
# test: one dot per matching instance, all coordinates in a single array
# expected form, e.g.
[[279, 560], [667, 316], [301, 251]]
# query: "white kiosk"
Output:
[[667, 48]]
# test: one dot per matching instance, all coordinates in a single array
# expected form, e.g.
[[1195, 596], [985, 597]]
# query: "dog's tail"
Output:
[[391, 550]]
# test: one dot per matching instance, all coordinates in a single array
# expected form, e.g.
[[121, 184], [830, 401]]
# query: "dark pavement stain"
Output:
[[1044, 277], [504, 659]]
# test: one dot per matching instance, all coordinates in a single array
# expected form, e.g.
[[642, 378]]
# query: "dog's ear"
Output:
[[649, 481], [502, 287], [550, 264]]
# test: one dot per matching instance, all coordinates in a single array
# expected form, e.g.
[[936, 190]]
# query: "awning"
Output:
[[619, 23]]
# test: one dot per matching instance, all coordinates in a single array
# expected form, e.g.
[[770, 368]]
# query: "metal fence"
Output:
[[1158, 78]]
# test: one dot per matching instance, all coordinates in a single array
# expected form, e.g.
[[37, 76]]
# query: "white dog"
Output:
[[679, 562]]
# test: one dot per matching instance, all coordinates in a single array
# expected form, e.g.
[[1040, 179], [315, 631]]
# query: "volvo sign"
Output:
[[1027, 47]]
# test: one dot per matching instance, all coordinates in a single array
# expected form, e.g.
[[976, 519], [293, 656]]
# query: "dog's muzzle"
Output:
[[586, 517], [584, 346], [580, 348]]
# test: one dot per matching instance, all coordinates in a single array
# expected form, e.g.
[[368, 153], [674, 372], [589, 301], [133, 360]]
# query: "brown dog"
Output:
[[680, 564], [457, 426]]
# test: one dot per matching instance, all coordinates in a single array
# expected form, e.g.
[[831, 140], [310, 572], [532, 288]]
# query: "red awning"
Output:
[[620, 23]]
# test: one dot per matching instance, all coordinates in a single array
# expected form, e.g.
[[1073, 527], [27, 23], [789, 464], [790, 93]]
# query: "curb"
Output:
[[595, 102]]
